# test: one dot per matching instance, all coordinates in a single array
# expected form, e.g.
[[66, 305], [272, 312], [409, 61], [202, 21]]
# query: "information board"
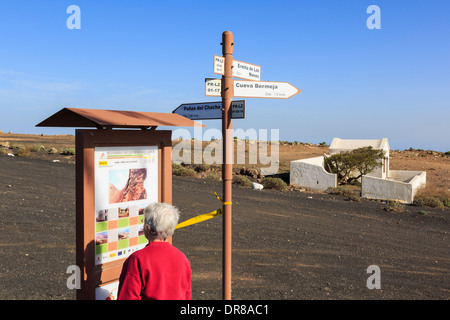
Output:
[[126, 181]]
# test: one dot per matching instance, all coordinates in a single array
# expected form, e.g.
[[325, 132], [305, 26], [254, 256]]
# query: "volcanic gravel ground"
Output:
[[286, 245]]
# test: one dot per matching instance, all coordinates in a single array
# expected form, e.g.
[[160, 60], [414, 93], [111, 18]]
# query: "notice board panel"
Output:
[[119, 172], [126, 181]]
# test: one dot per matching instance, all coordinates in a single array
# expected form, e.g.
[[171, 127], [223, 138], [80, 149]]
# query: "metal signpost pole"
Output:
[[227, 166], [227, 88]]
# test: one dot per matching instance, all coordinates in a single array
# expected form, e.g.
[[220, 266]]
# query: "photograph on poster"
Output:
[[102, 215], [127, 185], [101, 238], [124, 233]]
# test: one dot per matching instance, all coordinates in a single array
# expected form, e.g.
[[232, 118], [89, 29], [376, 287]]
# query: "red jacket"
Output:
[[159, 271]]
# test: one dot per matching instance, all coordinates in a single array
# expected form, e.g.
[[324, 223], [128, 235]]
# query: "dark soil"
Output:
[[286, 245]]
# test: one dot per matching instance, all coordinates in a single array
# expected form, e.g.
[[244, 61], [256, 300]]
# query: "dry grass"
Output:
[[274, 183], [430, 191], [242, 180], [395, 206], [431, 196]]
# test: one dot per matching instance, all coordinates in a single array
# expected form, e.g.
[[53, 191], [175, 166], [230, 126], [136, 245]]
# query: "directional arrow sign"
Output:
[[264, 89], [253, 89], [241, 69], [246, 70], [210, 110]]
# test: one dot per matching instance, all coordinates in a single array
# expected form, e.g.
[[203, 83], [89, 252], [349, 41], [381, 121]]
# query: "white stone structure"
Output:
[[400, 186], [310, 173], [382, 183]]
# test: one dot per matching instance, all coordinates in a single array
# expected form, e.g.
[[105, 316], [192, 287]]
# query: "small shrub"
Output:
[[333, 190], [419, 202], [4, 144], [433, 202], [354, 198], [68, 151], [395, 206], [185, 172], [243, 181], [430, 196], [176, 166], [213, 176], [202, 167], [422, 212], [274, 183], [341, 191], [444, 199], [22, 152], [179, 170], [37, 148]]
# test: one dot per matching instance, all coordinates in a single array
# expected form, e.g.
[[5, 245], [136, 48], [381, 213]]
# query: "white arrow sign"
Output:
[[210, 110], [264, 89], [253, 89], [241, 69]]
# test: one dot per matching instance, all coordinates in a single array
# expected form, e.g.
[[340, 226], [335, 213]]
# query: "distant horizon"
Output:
[[280, 140]]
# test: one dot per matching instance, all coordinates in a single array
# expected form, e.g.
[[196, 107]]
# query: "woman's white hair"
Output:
[[162, 219]]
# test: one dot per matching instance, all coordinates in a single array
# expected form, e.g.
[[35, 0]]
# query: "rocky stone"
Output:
[[257, 186]]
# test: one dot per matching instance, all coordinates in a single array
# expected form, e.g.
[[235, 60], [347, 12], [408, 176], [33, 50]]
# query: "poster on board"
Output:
[[107, 292], [126, 181]]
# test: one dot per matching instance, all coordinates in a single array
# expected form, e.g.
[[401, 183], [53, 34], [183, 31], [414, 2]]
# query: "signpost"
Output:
[[227, 166], [241, 69], [264, 89], [227, 88], [253, 89], [210, 110]]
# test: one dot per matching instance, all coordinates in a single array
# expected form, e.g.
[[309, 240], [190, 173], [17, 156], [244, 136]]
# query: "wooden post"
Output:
[[227, 166]]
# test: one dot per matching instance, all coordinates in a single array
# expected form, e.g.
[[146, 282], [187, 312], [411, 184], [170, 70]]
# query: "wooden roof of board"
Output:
[[79, 117]]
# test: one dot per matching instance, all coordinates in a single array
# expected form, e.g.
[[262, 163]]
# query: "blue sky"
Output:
[[149, 55]]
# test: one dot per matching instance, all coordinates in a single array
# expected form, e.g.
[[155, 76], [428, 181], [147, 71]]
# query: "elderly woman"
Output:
[[159, 271]]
